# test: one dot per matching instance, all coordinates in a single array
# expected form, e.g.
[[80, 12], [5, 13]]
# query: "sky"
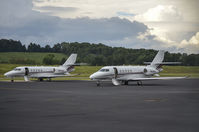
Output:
[[171, 25]]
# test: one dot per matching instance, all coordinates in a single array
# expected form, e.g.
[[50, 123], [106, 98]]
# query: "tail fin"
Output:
[[158, 59], [71, 60]]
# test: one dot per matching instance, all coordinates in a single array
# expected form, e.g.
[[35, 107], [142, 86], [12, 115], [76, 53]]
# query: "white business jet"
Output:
[[123, 74], [42, 72]]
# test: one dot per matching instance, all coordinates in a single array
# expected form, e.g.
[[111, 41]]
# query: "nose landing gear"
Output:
[[98, 83], [12, 79]]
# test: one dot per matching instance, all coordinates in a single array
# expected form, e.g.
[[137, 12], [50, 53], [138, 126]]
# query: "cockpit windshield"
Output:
[[104, 70], [17, 69]]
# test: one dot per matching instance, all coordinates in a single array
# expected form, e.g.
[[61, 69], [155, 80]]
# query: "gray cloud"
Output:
[[22, 23], [41, 28], [56, 8], [80, 29]]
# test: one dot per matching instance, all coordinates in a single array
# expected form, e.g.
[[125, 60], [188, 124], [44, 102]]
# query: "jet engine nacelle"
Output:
[[59, 70], [150, 71]]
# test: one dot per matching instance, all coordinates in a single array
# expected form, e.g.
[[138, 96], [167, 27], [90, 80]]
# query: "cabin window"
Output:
[[17, 69], [104, 70]]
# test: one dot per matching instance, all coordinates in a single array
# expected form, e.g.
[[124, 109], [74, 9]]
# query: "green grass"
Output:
[[7, 57], [83, 72], [172, 71]]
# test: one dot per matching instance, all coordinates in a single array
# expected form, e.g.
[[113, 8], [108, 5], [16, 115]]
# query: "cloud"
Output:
[[13, 12], [146, 36], [160, 13], [109, 22], [168, 28], [191, 45], [41, 28], [56, 9]]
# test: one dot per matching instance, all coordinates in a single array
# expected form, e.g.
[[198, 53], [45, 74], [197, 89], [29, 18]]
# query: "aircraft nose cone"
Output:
[[94, 76], [6, 74], [91, 77]]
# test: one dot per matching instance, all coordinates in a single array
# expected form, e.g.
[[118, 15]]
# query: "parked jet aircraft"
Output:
[[123, 74], [42, 72]]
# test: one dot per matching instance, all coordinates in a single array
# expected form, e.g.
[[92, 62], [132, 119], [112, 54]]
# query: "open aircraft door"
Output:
[[26, 74], [114, 79]]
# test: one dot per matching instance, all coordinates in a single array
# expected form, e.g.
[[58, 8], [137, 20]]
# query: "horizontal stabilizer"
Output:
[[164, 63], [78, 64]]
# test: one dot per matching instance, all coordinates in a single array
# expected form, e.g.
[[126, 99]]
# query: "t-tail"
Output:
[[158, 61], [70, 62]]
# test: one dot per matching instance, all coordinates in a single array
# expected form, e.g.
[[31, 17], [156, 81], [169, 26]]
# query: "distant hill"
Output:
[[32, 58], [93, 54]]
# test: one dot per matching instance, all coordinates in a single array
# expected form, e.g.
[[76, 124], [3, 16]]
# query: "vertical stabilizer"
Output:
[[158, 59], [71, 60]]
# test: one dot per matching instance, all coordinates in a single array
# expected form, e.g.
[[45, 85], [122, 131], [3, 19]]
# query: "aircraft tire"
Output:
[[40, 79], [126, 82]]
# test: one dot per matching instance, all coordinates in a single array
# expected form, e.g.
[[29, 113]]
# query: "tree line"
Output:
[[99, 54]]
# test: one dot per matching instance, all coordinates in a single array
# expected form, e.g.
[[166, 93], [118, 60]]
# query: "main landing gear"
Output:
[[40, 79], [49, 79], [126, 82], [139, 83]]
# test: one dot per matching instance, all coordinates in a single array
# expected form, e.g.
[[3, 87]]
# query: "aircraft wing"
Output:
[[52, 76], [156, 78]]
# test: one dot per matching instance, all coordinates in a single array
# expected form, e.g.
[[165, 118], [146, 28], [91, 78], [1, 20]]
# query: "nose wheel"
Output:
[[98, 83]]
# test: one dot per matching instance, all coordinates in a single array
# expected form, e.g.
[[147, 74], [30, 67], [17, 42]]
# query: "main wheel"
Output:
[[139, 83], [126, 83], [40, 79]]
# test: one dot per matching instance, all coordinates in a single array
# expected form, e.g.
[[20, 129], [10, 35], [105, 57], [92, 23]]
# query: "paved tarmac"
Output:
[[81, 106]]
